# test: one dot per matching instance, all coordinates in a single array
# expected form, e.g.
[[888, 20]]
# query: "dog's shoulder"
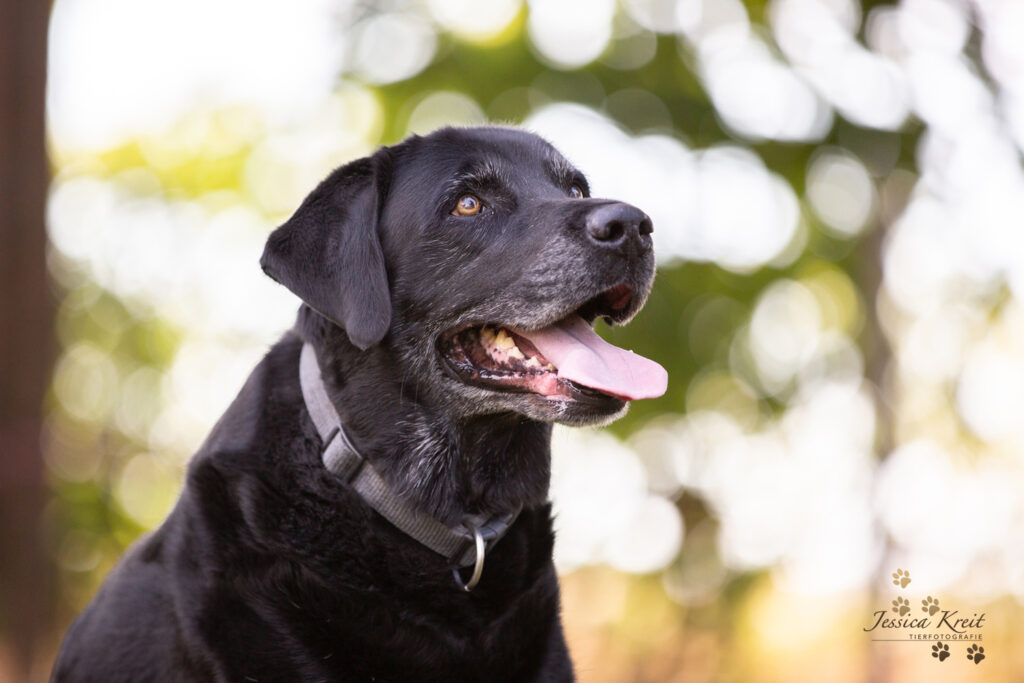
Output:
[[134, 611], [150, 601]]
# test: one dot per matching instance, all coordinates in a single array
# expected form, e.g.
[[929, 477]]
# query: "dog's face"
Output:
[[477, 259]]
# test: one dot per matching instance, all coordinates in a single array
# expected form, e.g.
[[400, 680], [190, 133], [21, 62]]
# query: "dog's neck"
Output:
[[489, 464]]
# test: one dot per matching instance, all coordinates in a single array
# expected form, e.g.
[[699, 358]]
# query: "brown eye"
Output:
[[468, 205], [575, 192]]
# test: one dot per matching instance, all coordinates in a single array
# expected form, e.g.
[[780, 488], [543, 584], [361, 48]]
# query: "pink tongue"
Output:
[[583, 357]]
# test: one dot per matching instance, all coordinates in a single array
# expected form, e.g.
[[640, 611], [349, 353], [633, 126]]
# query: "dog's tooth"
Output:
[[503, 341], [549, 366], [531, 362], [515, 352]]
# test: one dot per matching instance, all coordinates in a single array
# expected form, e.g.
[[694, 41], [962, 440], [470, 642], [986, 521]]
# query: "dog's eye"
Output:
[[576, 192], [468, 205]]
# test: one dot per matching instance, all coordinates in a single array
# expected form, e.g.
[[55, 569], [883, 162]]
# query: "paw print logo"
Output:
[[900, 606], [900, 578], [941, 650], [976, 653], [931, 605]]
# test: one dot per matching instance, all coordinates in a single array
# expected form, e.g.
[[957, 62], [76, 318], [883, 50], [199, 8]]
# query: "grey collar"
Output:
[[462, 545]]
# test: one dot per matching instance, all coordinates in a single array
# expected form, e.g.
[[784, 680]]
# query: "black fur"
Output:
[[271, 569]]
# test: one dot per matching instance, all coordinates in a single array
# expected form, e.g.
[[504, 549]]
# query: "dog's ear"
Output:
[[329, 252]]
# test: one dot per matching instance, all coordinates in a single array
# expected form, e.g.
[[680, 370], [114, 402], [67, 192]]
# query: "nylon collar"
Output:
[[462, 545]]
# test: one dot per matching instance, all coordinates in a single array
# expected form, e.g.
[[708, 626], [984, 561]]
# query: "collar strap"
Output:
[[462, 545]]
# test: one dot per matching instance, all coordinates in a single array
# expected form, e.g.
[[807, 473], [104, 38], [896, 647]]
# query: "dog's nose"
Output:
[[614, 225]]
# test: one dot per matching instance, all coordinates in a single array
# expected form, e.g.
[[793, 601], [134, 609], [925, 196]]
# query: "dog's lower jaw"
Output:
[[574, 420], [576, 413]]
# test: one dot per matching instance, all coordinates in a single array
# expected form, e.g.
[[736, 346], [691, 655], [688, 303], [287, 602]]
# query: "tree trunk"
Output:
[[26, 339]]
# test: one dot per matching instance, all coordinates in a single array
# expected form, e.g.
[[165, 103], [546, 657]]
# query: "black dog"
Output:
[[449, 285]]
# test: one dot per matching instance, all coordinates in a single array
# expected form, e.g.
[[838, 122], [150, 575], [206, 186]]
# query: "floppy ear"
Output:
[[329, 254]]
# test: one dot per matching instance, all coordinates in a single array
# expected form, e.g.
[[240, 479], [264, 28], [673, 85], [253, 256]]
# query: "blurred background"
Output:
[[838, 197]]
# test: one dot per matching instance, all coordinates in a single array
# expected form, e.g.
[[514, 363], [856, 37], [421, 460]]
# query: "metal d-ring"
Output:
[[478, 568]]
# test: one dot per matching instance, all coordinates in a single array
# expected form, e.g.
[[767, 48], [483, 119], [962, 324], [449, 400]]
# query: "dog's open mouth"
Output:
[[563, 360]]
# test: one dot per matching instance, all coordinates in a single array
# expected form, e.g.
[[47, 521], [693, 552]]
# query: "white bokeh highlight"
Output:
[[119, 68], [721, 204], [570, 33]]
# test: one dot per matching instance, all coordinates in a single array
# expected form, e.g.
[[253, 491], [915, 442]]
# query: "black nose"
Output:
[[615, 225]]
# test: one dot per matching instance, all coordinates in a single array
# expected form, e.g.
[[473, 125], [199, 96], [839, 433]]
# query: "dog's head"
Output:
[[478, 261]]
